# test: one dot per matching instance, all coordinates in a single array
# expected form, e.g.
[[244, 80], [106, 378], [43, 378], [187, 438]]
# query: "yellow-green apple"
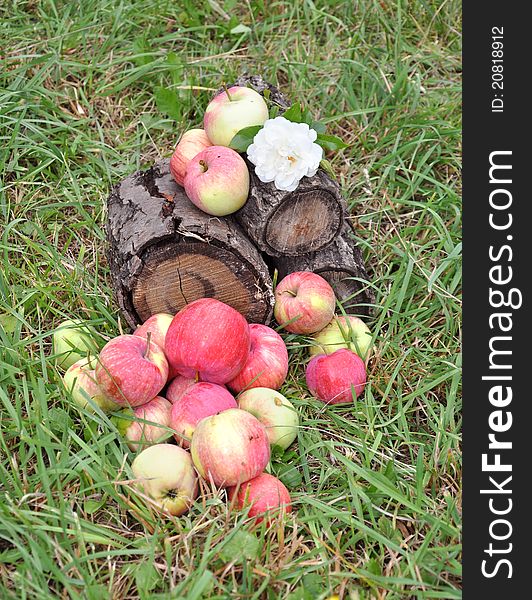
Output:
[[80, 382], [71, 341], [165, 473], [233, 110], [131, 370], [274, 411], [343, 332], [192, 142], [157, 326], [336, 378], [304, 302], [230, 447], [266, 496], [178, 386], [208, 340], [147, 424], [217, 181], [267, 362], [199, 401]]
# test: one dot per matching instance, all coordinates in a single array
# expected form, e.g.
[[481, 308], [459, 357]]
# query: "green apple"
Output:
[[71, 341], [80, 381], [343, 332]]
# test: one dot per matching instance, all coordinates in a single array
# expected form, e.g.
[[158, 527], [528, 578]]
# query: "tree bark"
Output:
[[164, 252]]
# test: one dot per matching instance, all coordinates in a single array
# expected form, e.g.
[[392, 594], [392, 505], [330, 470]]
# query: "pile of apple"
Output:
[[214, 176], [209, 380]]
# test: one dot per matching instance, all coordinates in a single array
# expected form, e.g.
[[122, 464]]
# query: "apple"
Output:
[[199, 401], [343, 332], [208, 340], [304, 302], [217, 181], [166, 474], [71, 341], [265, 495], [332, 378], [157, 326], [233, 110], [178, 386], [80, 382], [140, 434], [230, 447], [192, 142], [267, 362], [274, 411], [131, 370]]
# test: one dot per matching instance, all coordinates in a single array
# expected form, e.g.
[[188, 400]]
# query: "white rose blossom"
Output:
[[284, 152]]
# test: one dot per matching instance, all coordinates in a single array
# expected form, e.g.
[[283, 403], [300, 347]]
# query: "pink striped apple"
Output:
[[266, 496], [131, 370], [199, 401], [150, 425], [304, 302], [157, 326], [233, 110], [336, 377], [267, 363], [165, 473], [178, 386], [80, 381], [230, 447], [192, 142], [217, 181], [208, 340]]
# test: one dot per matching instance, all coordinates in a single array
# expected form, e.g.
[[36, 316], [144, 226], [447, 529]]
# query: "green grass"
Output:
[[376, 486]]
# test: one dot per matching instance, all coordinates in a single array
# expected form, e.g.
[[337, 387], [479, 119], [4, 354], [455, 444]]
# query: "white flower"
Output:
[[284, 152]]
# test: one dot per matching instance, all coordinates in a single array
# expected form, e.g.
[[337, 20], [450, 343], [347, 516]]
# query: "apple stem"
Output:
[[227, 92], [148, 338], [291, 293]]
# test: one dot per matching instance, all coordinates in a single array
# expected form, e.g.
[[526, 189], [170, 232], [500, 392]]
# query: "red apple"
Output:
[[131, 371], [165, 473], [192, 142], [229, 112], [304, 302], [274, 411], [217, 181], [265, 495], [178, 386], [199, 401], [267, 363], [230, 447], [209, 340], [332, 378], [157, 326], [80, 381], [140, 433]]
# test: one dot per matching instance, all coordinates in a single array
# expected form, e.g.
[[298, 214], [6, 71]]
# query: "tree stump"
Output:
[[164, 252], [342, 265]]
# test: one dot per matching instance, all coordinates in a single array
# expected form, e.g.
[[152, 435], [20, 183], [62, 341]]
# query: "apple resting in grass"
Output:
[[333, 377], [230, 447], [199, 401], [304, 302], [192, 142], [267, 363], [343, 332], [178, 386], [71, 341], [80, 381], [157, 326], [229, 112], [266, 496], [208, 340], [131, 370], [217, 181], [166, 474], [274, 411], [140, 434]]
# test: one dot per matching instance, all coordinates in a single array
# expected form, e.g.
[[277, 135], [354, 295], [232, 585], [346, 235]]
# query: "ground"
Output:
[[91, 91]]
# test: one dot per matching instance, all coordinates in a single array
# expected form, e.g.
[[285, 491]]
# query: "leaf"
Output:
[[327, 167], [241, 546], [244, 137], [289, 475], [293, 113], [168, 102], [240, 28], [330, 142], [146, 576], [8, 322], [318, 126]]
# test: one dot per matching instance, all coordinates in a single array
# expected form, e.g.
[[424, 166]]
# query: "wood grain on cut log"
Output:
[[342, 265], [164, 252]]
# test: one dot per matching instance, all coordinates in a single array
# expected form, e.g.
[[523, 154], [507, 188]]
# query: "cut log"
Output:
[[342, 265], [164, 252]]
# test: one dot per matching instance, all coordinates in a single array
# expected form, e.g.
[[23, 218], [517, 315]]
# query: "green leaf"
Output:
[[168, 102], [146, 576], [293, 113], [327, 167], [289, 475], [8, 322], [330, 142], [241, 546], [318, 126], [240, 28], [244, 137]]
